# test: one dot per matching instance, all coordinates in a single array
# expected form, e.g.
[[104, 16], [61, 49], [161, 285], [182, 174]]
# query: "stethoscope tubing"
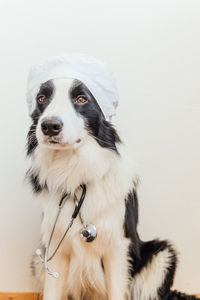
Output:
[[46, 259]]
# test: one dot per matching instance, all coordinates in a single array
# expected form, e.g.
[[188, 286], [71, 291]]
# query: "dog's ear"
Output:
[[35, 115], [32, 141], [107, 135]]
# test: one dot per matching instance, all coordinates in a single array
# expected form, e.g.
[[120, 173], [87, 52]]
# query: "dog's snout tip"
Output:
[[51, 127]]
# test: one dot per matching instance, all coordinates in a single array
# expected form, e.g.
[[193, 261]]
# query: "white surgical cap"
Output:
[[92, 72]]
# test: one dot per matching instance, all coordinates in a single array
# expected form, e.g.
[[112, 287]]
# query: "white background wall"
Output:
[[153, 47]]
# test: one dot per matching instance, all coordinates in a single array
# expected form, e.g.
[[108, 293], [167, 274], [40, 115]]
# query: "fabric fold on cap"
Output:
[[92, 72]]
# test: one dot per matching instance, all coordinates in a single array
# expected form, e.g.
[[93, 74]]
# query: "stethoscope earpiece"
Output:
[[39, 254]]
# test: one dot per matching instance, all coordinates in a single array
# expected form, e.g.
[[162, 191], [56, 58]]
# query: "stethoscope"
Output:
[[88, 234]]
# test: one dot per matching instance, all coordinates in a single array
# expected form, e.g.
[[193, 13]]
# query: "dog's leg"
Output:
[[54, 288], [116, 273]]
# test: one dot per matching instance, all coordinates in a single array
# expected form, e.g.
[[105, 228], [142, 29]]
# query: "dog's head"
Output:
[[65, 113]]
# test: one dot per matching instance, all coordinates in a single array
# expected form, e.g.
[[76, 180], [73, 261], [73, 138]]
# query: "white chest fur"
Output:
[[86, 258], [109, 179]]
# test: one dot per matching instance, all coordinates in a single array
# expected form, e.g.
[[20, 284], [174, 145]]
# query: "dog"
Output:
[[70, 143]]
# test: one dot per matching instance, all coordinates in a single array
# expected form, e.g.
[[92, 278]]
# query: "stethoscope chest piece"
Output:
[[89, 233]]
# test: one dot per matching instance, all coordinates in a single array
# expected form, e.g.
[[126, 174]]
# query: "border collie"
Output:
[[70, 143]]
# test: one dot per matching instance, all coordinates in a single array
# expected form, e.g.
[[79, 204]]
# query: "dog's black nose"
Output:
[[51, 127]]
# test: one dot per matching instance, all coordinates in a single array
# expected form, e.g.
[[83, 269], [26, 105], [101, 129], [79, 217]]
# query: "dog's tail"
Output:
[[175, 295], [154, 274]]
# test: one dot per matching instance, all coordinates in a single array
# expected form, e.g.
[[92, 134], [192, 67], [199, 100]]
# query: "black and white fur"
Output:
[[117, 265]]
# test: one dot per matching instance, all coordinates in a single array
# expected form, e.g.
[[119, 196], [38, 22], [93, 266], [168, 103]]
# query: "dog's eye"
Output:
[[42, 99], [80, 100]]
